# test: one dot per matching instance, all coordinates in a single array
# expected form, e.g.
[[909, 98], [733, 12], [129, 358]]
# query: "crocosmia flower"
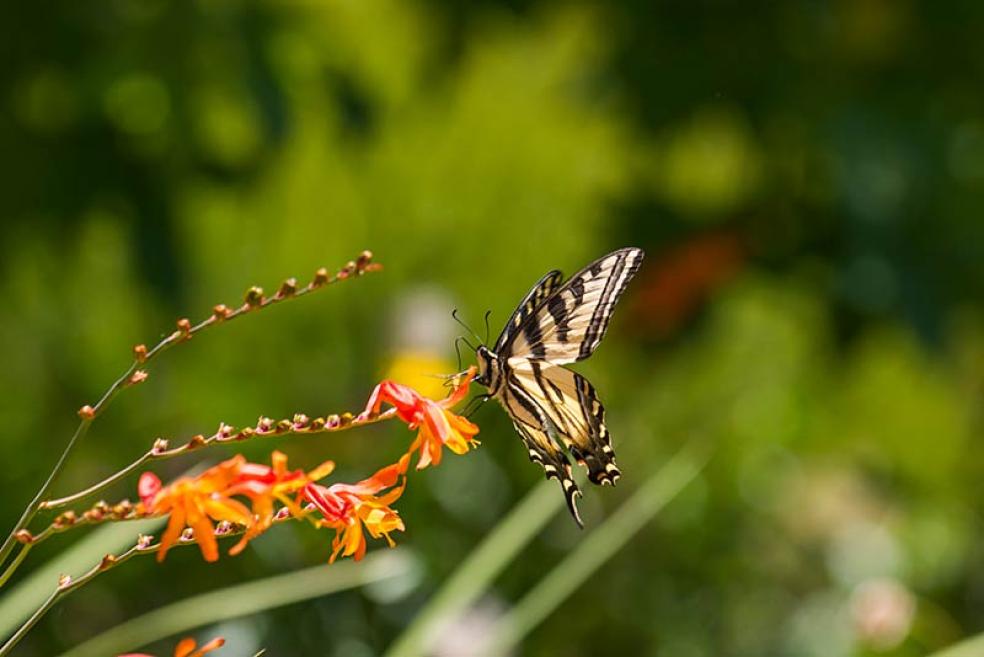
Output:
[[350, 508], [439, 427], [188, 647], [195, 502]]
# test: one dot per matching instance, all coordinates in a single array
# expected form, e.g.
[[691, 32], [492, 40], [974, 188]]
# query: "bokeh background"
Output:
[[807, 179]]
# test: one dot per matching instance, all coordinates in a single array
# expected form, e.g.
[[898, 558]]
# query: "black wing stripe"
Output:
[[543, 289]]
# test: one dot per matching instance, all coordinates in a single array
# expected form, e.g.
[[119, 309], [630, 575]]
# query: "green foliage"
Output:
[[161, 157]]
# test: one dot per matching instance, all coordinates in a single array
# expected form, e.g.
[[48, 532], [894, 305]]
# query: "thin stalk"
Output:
[[25, 548], [300, 425], [135, 372]]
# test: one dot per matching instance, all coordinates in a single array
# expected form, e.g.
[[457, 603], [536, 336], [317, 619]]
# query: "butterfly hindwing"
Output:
[[569, 324], [571, 404], [540, 440]]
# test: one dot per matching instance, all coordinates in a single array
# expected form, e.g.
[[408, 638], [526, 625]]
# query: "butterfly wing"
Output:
[[574, 412], [543, 289], [538, 433], [568, 324]]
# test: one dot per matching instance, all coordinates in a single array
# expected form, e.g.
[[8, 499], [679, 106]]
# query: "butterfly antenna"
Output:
[[457, 348], [454, 315], [487, 331]]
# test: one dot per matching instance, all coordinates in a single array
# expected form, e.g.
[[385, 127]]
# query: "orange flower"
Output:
[[211, 496], [348, 508], [195, 502], [439, 427], [186, 648], [265, 484]]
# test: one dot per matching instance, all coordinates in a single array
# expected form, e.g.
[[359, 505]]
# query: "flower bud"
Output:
[[220, 312], [107, 562], [184, 325], [283, 426], [137, 377], [87, 412], [320, 277], [198, 440], [140, 353], [317, 424], [160, 445], [364, 259], [64, 581], [288, 288], [24, 536], [254, 296], [301, 421]]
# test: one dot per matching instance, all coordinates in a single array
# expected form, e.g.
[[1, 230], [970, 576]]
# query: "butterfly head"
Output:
[[488, 368]]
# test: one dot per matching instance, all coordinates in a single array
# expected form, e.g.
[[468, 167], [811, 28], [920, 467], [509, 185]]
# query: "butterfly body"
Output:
[[551, 406]]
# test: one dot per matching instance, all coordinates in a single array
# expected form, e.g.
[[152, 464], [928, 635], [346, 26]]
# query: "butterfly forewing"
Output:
[[569, 324], [543, 289]]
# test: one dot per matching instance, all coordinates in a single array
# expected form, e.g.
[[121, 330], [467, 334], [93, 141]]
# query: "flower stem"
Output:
[[25, 548], [265, 427], [254, 301]]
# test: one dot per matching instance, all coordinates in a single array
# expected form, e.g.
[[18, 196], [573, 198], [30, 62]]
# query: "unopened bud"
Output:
[[144, 541], [137, 377], [320, 277], [346, 419], [198, 440], [92, 515], [188, 534], [317, 424], [225, 430], [288, 288], [224, 527], [264, 424], [160, 445], [123, 509], [184, 325], [254, 296], [283, 426], [246, 433], [140, 352], [364, 259], [66, 519], [64, 581], [24, 536], [220, 312], [107, 562], [333, 421], [301, 421], [87, 412]]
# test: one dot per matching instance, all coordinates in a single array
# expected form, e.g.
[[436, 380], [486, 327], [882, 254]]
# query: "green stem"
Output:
[[25, 548]]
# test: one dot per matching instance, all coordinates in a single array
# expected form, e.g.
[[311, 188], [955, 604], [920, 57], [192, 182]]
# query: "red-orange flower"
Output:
[[188, 648], [195, 502], [439, 427], [264, 485], [348, 508]]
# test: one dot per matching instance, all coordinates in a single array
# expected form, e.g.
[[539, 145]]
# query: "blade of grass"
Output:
[[478, 570], [599, 546], [21, 601], [244, 599], [970, 647]]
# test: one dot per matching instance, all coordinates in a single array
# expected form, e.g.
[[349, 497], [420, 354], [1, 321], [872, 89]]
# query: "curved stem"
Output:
[[265, 427], [254, 301]]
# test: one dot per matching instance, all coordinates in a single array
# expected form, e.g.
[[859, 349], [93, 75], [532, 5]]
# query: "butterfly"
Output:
[[551, 406]]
